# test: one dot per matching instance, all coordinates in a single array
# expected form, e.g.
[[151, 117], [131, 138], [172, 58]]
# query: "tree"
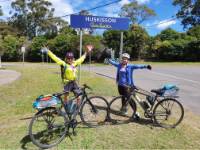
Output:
[[194, 31], [111, 39], [136, 41], [96, 41], [1, 50], [6, 29], [168, 34], [1, 12], [193, 51], [34, 54], [34, 17], [11, 46], [136, 12], [189, 12]]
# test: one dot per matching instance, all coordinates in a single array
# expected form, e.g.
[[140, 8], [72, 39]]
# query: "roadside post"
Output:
[[23, 50]]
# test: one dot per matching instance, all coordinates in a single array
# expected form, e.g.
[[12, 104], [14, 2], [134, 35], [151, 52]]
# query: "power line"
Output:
[[90, 9], [161, 22]]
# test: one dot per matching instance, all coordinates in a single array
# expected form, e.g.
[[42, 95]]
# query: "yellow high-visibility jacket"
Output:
[[70, 71]]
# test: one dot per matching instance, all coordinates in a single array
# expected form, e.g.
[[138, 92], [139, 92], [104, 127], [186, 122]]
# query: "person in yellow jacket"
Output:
[[70, 74]]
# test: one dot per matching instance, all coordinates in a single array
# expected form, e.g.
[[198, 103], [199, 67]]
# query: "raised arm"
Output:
[[114, 63], [140, 66], [55, 58], [80, 60]]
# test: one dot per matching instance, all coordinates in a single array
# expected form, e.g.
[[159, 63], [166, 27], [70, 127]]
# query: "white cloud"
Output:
[[165, 24], [6, 7], [62, 8], [123, 2], [143, 1]]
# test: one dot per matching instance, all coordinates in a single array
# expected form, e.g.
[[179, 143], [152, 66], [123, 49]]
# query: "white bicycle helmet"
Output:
[[126, 55]]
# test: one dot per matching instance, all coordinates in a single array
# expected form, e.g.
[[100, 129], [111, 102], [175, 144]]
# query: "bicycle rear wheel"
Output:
[[115, 113], [48, 127], [94, 111], [168, 113]]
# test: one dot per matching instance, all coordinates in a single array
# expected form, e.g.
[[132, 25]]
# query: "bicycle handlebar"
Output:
[[85, 86]]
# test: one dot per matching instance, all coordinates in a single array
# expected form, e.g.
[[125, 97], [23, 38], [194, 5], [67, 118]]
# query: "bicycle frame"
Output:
[[76, 112], [156, 98]]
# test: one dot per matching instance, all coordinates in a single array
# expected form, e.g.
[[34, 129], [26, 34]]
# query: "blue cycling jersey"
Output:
[[125, 74]]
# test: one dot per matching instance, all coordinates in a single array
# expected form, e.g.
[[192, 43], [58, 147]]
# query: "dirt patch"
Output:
[[8, 76]]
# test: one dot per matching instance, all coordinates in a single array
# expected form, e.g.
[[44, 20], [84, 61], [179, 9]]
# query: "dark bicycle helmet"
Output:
[[69, 55]]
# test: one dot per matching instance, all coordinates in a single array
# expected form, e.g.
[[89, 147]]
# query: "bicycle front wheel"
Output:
[[168, 113], [117, 115], [94, 111], [48, 127]]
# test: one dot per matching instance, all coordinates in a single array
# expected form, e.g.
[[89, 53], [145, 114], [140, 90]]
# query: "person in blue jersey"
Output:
[[124, 77]]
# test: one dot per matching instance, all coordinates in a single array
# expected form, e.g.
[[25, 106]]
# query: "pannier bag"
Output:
[[44, 101]]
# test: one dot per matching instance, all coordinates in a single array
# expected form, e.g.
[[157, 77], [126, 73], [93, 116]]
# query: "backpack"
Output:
[[63, 69]]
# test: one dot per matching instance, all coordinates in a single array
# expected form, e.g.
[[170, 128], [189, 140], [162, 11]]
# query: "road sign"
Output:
[[23, 49], [90, 47], [99, 22]]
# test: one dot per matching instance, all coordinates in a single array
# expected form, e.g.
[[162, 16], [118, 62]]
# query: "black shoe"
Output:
[[136, 116]]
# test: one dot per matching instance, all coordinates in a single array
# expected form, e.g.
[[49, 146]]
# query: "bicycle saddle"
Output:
[[157, 91]]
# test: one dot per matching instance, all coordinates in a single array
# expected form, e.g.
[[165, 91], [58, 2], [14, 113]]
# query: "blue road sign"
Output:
[[98, 22]]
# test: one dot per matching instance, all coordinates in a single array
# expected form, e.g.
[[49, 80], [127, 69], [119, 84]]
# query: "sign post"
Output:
[[42, 51], [90, 48], [121, 46], [23, 49], [79, 69]]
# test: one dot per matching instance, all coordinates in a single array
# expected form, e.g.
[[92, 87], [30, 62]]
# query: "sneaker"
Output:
[[124, 110], [136, 116]]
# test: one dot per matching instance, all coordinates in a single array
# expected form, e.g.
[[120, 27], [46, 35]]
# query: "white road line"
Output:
[[175, 77]]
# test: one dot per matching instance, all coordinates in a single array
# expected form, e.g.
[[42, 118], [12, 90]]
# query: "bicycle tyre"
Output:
[[48, 117], [161, 112], [115, 114], [94, 118]]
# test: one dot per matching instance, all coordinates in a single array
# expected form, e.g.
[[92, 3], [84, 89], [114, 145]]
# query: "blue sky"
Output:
[[163, 8]]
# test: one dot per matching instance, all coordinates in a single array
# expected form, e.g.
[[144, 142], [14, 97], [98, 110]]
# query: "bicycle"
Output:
[[161, 106], [50, 125]]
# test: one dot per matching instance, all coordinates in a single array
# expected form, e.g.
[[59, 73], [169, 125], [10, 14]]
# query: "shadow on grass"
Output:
[[24, 141], [129, 119]]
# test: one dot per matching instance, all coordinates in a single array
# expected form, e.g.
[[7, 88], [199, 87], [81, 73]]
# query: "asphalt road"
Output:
[[187, 78]]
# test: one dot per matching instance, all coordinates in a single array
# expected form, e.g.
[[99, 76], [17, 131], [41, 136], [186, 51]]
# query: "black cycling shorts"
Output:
[[72, 87]]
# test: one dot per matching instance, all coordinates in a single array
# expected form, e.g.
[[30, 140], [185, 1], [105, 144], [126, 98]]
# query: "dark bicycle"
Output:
[[51, 124], [162, 107]]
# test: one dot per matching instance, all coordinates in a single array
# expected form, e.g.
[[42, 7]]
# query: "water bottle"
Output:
[[68, 105], [73, 107]]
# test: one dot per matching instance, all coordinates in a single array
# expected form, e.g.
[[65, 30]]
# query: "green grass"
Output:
[[16, 104]]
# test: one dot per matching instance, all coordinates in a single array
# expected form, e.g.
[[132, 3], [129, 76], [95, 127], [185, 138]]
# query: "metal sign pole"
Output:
[[23, 49], [121, 46], [23, 58], [89, 61], [42, 58], [79, 71], [47, 58]]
